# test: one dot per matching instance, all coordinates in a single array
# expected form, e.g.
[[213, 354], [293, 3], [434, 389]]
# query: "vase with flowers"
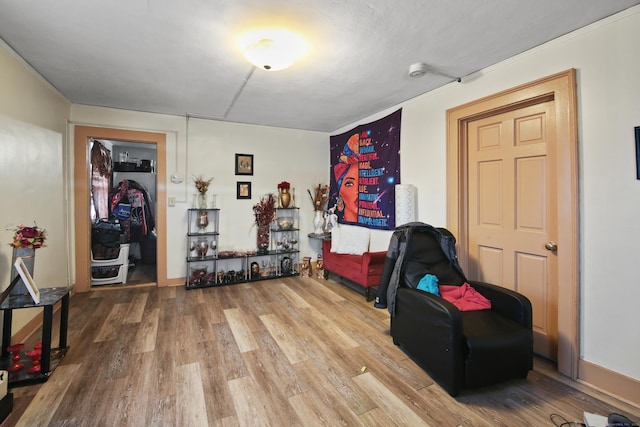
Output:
[[264, 212], [319, 199], [202, 185], [284, 196], [25, 242]]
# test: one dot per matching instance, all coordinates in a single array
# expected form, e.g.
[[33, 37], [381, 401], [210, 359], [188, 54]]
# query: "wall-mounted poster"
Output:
[[365, 167]]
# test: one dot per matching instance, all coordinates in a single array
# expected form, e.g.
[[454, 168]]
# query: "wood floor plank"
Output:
[[109, 329], [136, 308], [292, 296], [241, 332], [443, 409], [249, 403], [136, 391], [318, 290], [285, 335], [403, 415], [226, 422], [273, 363], [186, 340], [273, 396], [191, 409], [322, 323], [161, 411], [110, 407], [113, 362], [328, 398], [311, 413], [228, 353], [275, 352], [377, 417], [46, 401], [146, 335], [214, 382], [203, 324]]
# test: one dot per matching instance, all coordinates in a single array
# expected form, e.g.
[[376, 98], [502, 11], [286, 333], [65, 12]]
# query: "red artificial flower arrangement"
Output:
[[284, 185], [265, 210], [28, 237]]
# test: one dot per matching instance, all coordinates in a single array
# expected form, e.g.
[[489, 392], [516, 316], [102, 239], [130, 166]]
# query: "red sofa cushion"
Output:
[[364, 269]]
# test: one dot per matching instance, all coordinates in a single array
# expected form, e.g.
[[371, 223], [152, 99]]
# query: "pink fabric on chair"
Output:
[[464, 297]]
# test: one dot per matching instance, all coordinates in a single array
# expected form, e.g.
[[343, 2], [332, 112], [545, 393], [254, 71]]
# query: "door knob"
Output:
[[551, 246]]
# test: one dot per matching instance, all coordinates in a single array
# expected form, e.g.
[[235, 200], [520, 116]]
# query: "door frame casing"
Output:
[[561, 88], [82, 160]]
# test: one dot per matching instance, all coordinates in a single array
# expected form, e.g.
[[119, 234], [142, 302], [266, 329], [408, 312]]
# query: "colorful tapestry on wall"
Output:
[[365, 167]]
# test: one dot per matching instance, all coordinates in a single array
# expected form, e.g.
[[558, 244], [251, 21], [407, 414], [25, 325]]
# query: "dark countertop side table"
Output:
[[49, 297]]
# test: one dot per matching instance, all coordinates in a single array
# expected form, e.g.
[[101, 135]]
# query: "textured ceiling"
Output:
[[181, 58]]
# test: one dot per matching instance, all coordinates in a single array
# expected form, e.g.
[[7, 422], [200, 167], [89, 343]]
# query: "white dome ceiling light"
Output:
[[272, 49]]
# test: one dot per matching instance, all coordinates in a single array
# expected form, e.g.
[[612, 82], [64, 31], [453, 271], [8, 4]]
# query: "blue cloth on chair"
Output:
[[429, 283]]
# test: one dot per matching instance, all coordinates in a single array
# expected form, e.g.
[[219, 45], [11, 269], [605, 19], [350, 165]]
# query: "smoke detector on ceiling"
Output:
[[418, 69]]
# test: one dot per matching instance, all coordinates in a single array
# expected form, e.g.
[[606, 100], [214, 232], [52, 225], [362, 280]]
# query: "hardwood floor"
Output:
[[291, 352]]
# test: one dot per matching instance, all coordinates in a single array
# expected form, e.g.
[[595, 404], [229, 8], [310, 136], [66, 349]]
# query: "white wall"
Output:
[[300, 157], [32, 174], [607, 60]]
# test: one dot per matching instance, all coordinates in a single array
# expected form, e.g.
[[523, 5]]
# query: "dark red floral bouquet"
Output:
[[265, 210], [28, 237], [284, 185]]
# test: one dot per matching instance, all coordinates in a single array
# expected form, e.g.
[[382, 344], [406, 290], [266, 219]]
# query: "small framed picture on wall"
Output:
[[243, 190], [244, 164]]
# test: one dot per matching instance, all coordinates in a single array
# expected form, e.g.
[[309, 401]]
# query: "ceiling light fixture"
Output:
[[272, 49]]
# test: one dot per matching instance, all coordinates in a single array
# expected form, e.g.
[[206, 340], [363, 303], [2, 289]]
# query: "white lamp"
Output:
[[272, 49], [406, 195]]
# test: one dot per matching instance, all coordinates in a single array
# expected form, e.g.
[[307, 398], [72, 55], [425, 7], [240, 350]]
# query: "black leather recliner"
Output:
[[459, 349]]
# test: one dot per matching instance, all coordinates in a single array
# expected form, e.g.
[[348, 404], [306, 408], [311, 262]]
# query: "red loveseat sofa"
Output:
[[364, 270]]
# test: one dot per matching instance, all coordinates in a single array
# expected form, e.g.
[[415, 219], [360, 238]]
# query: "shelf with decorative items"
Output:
[[276, 254], [285, 235], [202, 247]]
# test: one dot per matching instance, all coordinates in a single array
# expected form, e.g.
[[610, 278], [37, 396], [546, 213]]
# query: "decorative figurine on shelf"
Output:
[[35, 355], [285, 266], [320, 267], [203, 221], [331, 221], [255, 270], [305, 266], [16, 356], [284, 197]]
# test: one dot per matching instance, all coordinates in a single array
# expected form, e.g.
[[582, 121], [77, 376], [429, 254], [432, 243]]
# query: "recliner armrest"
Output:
[[430, 330], [508, 303], [431, 306]]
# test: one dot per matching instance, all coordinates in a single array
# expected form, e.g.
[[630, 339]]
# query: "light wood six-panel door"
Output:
[[512, 225]]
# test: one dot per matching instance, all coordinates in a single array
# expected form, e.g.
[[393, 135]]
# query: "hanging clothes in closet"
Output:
[[101, 167], [132, 205]]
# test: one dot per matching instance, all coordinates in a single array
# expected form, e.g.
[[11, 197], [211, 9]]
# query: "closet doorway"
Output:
[[144, 174]]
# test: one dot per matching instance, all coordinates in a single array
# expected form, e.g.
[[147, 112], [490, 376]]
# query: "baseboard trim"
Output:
[[613, 383], [180, 281]]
